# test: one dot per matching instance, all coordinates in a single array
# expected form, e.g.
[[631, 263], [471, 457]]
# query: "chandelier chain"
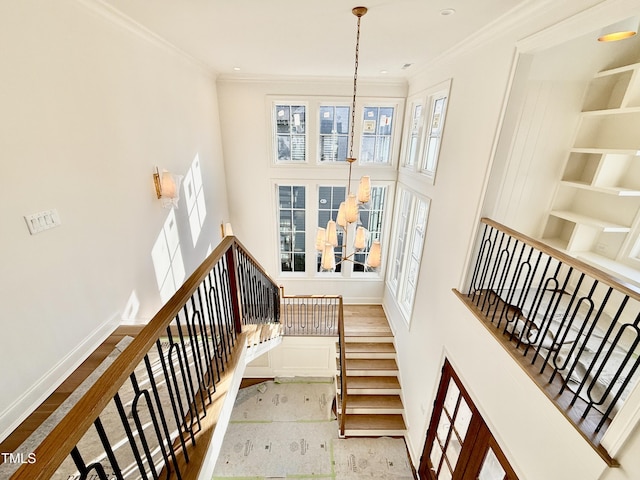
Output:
[[355, 88]]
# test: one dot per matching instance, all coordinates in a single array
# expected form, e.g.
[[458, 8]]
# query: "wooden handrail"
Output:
[[343, 368], [55, 448], [625, 287]]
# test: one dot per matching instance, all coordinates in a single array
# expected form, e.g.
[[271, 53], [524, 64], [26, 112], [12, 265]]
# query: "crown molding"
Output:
[[118, 18], [324, 80]]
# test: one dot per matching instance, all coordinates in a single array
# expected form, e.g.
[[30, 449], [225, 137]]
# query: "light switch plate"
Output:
[[41, 221]]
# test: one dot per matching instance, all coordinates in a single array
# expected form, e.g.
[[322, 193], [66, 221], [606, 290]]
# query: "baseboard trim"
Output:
[[18, 411]]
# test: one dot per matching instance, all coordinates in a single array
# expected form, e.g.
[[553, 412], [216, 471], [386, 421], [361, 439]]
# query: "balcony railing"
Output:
[[573, 328], [142, 416]]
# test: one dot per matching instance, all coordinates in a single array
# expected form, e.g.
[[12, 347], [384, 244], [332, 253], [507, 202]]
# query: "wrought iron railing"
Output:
[[310, 315], [140, 419], [574, 328], [318, 316]]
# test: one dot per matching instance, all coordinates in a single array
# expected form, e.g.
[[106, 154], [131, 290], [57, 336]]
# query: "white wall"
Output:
[[88, 108], [537, 440]]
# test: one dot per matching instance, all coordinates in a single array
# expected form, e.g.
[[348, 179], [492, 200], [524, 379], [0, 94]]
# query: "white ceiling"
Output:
[[312, 37]]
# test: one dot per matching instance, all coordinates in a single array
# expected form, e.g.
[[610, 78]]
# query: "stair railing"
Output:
[[318, 315], [343, 370], [169, 374]]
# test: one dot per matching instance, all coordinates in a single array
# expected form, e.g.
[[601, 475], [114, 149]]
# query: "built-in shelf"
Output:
[[616, 191], [603, 225], [597, 202]]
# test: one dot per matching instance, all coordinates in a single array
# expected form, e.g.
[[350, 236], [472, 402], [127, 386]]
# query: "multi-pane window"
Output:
[[334, 133], [291, 215], [438, 104], [414, 255], [402, 230], [371, 220], [415, 132], [407, 250], [291, 141], [329, 199], [377, 129]]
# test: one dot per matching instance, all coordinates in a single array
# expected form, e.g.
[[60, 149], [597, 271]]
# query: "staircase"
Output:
[[374, 405]]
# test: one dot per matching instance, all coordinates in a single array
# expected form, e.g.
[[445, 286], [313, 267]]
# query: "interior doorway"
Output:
[[459, 445]]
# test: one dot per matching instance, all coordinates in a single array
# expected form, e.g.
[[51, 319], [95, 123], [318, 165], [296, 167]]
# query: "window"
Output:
[[407, 251], [415, 134], [402, 229], [292, 218], [377, 129], [438, 107], [290, 126], [329, 199], [414, 255], [371, 219], [334, 133]]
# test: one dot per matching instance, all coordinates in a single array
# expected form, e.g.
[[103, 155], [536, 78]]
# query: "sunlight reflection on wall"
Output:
[[194, 197], [167, 259]]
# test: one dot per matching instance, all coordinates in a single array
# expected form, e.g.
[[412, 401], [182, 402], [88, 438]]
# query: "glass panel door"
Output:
[[459, 445]]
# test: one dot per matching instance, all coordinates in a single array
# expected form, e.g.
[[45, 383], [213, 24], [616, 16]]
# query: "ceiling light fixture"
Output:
[[348, 213], [620, 30]]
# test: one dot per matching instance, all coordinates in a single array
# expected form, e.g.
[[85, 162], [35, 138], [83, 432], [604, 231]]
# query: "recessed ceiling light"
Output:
[[236, 69], [447, 11], [384, 72]]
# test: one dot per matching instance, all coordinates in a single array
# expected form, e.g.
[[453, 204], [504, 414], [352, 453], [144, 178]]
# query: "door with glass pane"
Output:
[[459, 445]]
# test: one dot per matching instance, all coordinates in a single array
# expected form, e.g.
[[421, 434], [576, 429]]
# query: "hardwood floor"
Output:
[[33, 421]]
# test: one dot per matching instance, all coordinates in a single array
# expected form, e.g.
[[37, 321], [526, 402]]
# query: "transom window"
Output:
[[415, 134], [291, 140], [334, 133], [377, 129], [438, 105], [425, 126]]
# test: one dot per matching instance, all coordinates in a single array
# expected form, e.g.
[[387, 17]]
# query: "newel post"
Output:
[[234, 286]]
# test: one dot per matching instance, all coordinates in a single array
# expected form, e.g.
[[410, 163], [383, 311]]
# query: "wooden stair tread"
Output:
[[371, 364], [369, 347], [373, 401], [382, 382], [374, 422]]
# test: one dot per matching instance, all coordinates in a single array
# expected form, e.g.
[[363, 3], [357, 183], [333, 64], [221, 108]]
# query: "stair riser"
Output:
[[371, 356], [371, 391], [372, 411], [374, 433], [385, 339], [371, 373]]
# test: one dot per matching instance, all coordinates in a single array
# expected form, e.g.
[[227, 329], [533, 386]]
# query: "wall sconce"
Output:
[[167, 187], [620, 30]]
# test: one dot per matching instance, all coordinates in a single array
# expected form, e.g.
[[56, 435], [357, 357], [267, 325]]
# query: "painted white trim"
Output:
[[309, 79], [209, 461], [116, 17], [30, 400]]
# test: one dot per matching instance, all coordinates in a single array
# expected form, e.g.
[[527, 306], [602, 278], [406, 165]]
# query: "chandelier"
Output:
[[349, 210]]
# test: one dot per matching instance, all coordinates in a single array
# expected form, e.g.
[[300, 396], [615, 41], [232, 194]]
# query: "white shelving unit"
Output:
[[597, 202]]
